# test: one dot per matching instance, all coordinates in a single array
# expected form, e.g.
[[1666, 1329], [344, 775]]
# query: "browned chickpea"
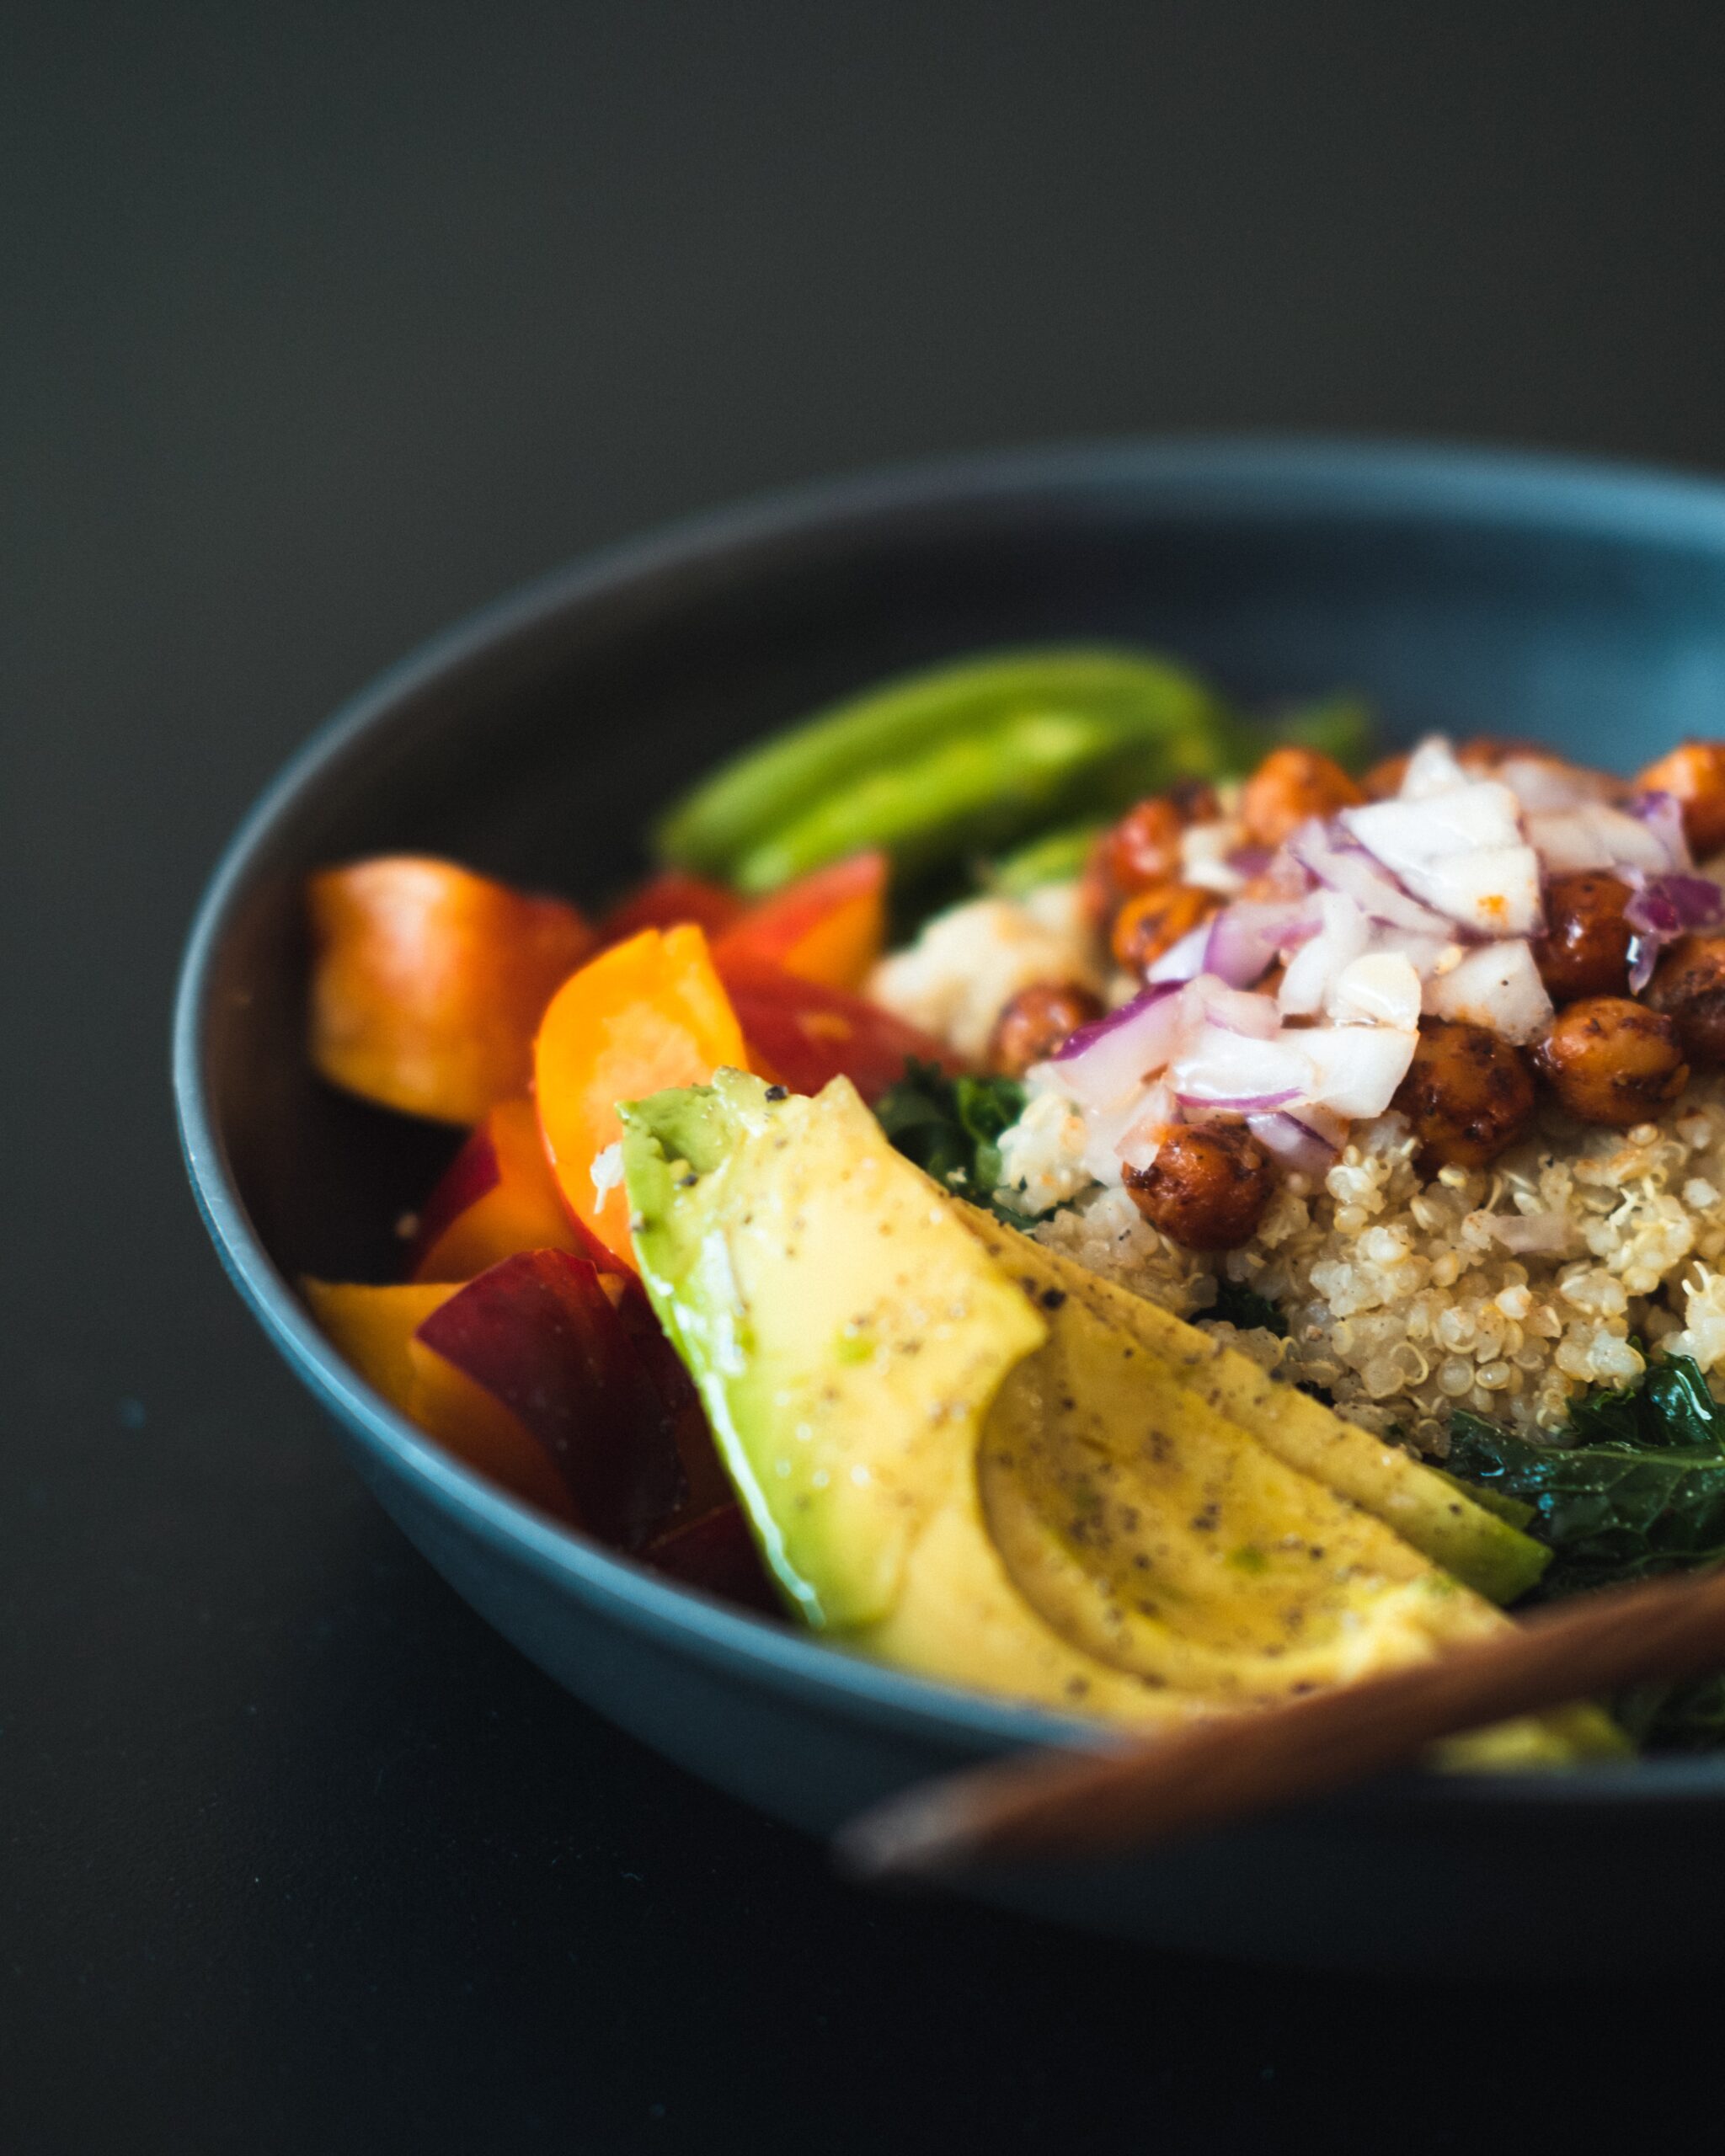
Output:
[[1484, 752], [1695, 774], [1585, 948], [1207, 1187], [1690, 988], [1383, 782], [1613, 1061], [1290, 786], [1468, 1094], [1154, 921], [1036, 1021], [1142, 851]]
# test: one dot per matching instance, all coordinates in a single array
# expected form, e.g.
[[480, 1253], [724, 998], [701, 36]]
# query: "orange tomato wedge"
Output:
[[805, 1034], [827, 927], [428, 981], [376, 1328], [642, 1016]]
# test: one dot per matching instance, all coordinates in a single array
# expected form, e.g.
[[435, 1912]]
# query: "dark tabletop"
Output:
[[324, 323]]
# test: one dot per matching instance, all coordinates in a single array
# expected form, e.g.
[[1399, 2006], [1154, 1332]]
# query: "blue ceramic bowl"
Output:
[[1480, 592]]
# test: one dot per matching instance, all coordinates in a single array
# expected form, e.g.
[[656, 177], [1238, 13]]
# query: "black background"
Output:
[[323, 324]]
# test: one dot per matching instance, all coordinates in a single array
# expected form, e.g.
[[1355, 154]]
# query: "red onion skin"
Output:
[[1087, 1035], [1663, 908], [1292, 1144]]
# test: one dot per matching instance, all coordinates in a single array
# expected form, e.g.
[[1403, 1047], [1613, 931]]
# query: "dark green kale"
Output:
[[1243, 1306], [1635, 1487], [951, 1128]]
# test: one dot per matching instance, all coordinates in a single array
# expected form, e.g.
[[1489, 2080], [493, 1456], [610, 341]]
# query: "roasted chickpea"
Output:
[[1142, 851], [1468, 1094], [1207, 1187], [1695, 774], [1585, 948], [1483, 753], [1690, 988], [1383, 782], [1611, 1060], [1036, 1021], [1154, 921], [1290, 786]]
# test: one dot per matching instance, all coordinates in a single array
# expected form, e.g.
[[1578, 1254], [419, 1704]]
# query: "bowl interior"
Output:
[[1477, 593]]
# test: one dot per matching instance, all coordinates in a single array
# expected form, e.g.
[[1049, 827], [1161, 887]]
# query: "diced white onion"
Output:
[[1543, 783], [1500, 986], [1380, 989], [1595, 836], [1345, 936], [1432, 769], [1356, 1069]]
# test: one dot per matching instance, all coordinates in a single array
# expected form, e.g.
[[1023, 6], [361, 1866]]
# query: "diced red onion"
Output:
[[1662, 814], [1136, 1143], [1107, 1061], [1246, 1104], [1675, 905], [1664, 908], [1356, 1069], [1245, 938], [1544, 784], [1461, 852], [1334, 861], [1432, 768], [1345, 935], [1235, 1010], [1498, 986], [1292, 1142], [1250, 860], [1182, 961], [1222, 1070], [1595, 836], [1078, 1043], [1379, 987]]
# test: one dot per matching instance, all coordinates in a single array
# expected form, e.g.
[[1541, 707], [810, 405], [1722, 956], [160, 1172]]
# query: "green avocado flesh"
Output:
[[959, 1456]]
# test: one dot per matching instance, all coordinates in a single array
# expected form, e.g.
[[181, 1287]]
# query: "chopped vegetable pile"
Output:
[[1178, 991]]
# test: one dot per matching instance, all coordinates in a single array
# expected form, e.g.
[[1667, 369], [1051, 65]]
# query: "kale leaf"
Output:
[[1623, 1509], [951, 1128], [1635, 1487]]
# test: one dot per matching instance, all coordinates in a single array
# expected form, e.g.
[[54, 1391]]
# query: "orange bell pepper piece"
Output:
[[827, 927], [644, 1015], [376, 1328], [497, 1195], [428, 982]]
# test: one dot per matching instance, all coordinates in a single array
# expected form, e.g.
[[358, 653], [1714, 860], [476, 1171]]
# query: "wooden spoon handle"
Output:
[[1075, 1804]]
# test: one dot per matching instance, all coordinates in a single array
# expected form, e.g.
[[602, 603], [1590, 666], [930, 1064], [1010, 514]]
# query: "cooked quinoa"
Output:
[[1406, 1299]]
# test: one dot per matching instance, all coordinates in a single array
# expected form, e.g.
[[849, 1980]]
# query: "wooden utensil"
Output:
[[1064, 1804]]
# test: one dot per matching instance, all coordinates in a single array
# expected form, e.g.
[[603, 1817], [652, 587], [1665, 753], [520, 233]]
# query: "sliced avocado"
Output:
[[974, 1469], [1482, 1549], [846, 1335], [835, 1315], [1164, 1538]]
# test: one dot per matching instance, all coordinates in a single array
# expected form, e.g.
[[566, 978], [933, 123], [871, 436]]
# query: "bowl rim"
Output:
[[1215, 477]]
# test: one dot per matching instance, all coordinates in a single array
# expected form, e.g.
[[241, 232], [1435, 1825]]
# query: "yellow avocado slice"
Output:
[[953, 1468], [1485, 1552]]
